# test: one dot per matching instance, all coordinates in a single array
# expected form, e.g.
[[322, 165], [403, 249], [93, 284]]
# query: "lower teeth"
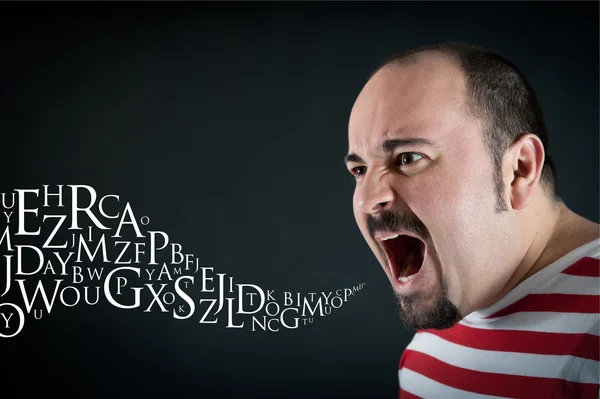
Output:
[[407, 269]]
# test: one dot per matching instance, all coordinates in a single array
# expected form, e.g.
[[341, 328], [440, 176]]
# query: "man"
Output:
[[456, 198]]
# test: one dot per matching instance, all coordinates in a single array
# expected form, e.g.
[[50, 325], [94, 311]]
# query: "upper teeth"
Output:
[[390, 237]]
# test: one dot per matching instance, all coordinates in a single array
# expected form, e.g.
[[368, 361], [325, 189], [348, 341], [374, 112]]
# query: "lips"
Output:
[[405, 254]]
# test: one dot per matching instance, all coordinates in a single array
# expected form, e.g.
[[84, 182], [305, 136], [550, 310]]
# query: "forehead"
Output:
[[424, 98]]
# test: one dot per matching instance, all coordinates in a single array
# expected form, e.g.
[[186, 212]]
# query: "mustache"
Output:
[[392, 221]]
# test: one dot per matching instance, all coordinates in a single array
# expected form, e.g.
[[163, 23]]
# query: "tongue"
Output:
[[409, 267], [412, 256]]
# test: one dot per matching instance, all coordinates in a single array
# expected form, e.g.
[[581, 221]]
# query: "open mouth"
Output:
[[405, 255]]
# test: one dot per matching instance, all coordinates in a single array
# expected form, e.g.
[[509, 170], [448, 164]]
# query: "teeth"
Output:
[[406, 279], [390, 237]]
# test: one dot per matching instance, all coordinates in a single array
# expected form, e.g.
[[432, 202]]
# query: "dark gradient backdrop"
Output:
[[226, 124]]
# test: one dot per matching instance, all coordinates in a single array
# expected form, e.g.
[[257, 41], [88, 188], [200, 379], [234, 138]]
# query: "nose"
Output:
[[375, 194]]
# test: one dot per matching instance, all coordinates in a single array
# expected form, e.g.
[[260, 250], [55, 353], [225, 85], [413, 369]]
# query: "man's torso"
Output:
[[541, 340]]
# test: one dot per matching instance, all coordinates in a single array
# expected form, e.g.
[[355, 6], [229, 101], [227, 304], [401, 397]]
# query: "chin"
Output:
[[417, 312]]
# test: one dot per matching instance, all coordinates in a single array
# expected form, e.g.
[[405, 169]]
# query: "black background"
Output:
[[226, 124]]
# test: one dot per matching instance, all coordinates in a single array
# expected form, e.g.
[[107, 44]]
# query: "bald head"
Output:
[[407, 91]]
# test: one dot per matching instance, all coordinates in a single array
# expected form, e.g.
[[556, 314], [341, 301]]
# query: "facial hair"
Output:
[[439, 315], [414, 311]]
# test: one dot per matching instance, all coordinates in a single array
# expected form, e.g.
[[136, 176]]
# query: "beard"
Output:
[[441, 314]]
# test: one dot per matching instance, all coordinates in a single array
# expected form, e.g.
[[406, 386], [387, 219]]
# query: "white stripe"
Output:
[[568, 284], [548, 273], [556, 322], [588, 371], [513, 363], [419, 385]]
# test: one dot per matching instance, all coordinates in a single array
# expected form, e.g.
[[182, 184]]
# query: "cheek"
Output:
[[451, 193], [455, 204]]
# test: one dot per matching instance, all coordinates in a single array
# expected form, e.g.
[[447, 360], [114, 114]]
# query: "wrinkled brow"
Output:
[[393, 144]]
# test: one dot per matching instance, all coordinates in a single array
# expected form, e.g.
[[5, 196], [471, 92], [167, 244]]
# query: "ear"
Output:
[[526, 157]]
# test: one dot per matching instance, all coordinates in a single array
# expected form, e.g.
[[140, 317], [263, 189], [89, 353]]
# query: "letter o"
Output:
[[341, 301], [267, 309], [165, 300], [21, 319], [62, 299]]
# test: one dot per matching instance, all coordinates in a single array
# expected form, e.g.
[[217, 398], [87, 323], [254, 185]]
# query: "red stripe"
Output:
[[403, 394], [513, 386], [585, 267], [402, 359], [407, 395], [566, 303], [586, 346]]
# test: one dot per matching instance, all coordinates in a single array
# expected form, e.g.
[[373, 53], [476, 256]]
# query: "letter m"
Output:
[[312, 311], [82, 244]]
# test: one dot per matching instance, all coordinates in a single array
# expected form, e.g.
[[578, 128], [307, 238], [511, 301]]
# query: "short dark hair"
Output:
[[499, 94]]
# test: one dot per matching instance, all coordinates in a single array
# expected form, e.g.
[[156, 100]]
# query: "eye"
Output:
[[359, 171], [408, 158]]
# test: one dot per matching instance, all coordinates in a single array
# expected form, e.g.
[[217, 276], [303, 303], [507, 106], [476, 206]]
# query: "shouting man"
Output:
[[456, 197]]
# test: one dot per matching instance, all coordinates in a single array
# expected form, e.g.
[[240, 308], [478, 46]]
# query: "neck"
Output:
[[557, 232], [570, 232]]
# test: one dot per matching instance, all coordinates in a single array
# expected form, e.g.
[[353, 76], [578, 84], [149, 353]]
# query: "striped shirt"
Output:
[[541, 340]]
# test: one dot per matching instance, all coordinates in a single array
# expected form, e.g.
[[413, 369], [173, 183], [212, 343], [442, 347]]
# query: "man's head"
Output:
[[447, 146]]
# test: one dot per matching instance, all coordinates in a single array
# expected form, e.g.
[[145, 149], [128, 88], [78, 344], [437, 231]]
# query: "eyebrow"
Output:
[[391, 145], [353, 158]]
